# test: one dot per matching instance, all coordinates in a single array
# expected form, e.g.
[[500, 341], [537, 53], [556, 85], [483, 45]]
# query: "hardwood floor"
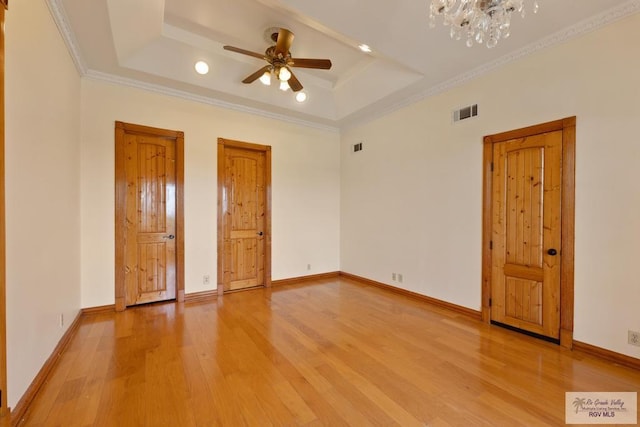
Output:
[[332, 352]]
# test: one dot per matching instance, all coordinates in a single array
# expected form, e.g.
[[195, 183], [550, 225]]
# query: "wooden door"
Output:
[[148, 206], [243, 205], [525, 288], [521, 293]]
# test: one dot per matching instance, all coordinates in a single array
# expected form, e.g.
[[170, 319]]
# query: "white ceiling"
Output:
[[155, 43]]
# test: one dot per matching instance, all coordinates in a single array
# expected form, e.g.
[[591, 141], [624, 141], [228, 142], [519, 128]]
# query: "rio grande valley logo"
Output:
[[601, 408]]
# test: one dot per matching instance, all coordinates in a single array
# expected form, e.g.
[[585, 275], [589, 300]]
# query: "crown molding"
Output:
[[163, 90], [62, 22], [612, 15]]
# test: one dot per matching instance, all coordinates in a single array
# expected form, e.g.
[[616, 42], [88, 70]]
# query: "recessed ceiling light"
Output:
[[301, 96], [202, 67], [365, 48]]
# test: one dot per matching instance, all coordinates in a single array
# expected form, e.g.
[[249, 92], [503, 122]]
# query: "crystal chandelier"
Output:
[[479, 21]]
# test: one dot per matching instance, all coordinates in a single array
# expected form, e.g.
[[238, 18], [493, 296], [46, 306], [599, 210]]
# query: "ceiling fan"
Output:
[[280, 62]]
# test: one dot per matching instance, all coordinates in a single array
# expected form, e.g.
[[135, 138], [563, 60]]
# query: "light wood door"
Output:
[[243, 204], [150, 260], [148, 207], [525, 288]]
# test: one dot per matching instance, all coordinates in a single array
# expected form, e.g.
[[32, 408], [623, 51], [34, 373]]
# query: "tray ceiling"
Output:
[[154, 44]]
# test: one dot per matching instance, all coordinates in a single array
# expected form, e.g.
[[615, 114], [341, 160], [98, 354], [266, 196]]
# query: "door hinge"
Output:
[[490, 244], [491, 166], [490, 302]]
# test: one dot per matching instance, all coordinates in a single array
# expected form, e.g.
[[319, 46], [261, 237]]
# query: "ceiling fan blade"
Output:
[[255, 76], [294, 83], [285, 38], [245, 52], [323, 64]]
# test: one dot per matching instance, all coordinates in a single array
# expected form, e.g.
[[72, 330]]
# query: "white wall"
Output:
[[305, 185], [411, 200], [43, 192]]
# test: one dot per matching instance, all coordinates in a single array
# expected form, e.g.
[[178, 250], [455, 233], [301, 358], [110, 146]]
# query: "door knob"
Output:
[[259, 233], [552, 252], [170, 236]]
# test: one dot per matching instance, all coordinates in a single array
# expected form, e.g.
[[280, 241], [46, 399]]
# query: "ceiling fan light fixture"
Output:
[[284, 74], [364, 48], [280, 62], [301, 96], [265, 79], [201, 67]]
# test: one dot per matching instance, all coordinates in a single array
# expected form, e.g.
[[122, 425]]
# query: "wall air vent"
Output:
[[465, 113], [357, 147]]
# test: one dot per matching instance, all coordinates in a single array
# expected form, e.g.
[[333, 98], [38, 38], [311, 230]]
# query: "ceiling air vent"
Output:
[[357, 147], [465, 113]]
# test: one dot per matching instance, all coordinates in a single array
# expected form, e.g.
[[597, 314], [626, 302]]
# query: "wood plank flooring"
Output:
[[331, 352]]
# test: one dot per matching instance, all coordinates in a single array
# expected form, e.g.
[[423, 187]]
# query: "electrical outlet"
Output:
[[308, 267], [634, 338], [206, 279], [393, 276], [400, 277]]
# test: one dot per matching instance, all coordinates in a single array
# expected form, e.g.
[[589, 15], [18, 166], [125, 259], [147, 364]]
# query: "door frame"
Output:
[[121, 129], [4, 410], [567, 217], [222, 253]]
